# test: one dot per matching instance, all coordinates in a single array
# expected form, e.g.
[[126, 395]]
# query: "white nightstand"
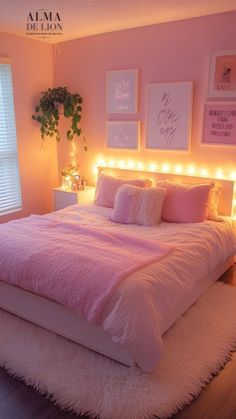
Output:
[[64, 197]]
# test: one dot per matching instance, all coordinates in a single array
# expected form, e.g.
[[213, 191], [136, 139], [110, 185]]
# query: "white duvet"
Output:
[[149, 301]]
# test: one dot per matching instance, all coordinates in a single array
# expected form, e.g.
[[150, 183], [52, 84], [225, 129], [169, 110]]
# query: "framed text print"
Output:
[[123, 134], [222, 74], [169, 115], [219, 124], [122, 91]]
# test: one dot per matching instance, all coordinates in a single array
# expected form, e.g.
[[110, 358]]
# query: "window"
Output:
[[10, 192]]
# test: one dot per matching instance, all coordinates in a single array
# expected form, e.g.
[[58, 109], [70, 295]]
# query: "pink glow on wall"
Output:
[[32, 71], [177, 51]]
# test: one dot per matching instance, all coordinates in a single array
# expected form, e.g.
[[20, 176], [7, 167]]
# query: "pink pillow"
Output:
[[185, 203], [107, 187], [135, 205], [214, 201]]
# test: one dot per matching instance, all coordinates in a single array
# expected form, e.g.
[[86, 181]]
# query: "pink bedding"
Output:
[[73, 264], [144, 305]]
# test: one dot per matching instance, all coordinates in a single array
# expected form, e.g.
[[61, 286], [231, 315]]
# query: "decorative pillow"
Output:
[[185, 203], [107, 187], [214, 201], [135, 205]]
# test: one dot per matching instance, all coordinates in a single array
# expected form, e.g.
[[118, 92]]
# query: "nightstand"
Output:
[[65, 197]]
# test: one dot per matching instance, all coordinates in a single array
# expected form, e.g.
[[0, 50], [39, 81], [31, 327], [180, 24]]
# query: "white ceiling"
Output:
[[80, 18]]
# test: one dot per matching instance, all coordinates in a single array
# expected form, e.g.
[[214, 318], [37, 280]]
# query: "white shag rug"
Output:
[[196, 347]]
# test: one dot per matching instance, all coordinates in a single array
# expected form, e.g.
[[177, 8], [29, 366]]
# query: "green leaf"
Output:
[[49, 115]]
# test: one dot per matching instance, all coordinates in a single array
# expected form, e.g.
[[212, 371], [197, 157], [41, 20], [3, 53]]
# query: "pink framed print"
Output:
[[222, 74], [219, 124], [123, 134], [122, 91]]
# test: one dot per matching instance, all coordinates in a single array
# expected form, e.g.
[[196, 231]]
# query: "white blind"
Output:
[[10, 192]]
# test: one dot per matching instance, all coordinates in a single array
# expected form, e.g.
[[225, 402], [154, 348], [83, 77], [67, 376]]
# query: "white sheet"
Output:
[[147, 302]]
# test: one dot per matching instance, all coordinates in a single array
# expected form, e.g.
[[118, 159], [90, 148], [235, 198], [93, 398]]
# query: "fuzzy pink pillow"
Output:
[[135, 205], [107, 187], [185, 203]]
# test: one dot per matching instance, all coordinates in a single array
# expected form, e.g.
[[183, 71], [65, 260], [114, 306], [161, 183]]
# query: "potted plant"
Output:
[[47, 112]]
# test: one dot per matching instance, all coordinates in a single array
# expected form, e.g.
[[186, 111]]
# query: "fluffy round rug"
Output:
[[196, 347]]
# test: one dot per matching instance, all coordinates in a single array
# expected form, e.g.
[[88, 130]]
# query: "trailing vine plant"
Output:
[[47, 112]]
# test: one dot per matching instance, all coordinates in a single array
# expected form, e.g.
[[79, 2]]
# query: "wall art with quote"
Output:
[[219, 123], [122, 91], [169, 115], [222, 74]]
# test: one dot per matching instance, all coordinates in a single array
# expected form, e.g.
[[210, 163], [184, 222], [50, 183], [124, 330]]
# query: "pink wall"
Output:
[[168, 52], [32, 67]]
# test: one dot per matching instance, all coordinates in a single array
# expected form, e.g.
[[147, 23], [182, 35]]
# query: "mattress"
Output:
[[148, 301]]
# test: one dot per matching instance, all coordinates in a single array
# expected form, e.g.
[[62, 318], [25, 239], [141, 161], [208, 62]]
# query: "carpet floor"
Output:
[[195, 349]]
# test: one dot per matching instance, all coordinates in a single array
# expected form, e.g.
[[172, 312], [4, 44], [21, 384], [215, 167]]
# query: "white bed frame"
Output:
[[58, 319]]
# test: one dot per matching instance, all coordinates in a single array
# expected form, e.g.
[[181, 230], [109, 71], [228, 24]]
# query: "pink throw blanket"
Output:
[[75, 265]]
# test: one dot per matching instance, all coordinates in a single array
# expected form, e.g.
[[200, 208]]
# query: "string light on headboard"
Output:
[[189, 170], [233, 175]]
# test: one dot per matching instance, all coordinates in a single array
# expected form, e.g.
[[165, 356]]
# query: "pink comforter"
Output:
[[76, 265]]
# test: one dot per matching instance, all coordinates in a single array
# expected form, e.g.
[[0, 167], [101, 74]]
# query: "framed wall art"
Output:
[[219, 124], [122, 91], [169, 115], [222, 74], [123, 134]]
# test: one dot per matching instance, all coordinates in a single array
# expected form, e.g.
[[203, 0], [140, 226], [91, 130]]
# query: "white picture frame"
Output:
[[222, 74], [122, 91], [123, 134], [169, 115]]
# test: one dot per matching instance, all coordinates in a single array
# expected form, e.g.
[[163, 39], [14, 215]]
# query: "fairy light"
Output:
[[219, 174], [204, 172], [111, 163], [130, 164], [191, 170], [165, 167], [102, 163], [95, 169], [152, 167], [140, 166], [121, 164], [73, 153], [233, 175], [178, 169]]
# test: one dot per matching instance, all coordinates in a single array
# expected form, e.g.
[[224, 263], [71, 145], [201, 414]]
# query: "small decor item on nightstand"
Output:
[[71, 178]]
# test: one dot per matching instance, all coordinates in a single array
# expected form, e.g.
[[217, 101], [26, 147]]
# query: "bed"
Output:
[[150, 299]]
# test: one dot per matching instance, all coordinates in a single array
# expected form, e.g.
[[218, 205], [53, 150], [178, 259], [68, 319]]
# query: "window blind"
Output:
[[10, 191]]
